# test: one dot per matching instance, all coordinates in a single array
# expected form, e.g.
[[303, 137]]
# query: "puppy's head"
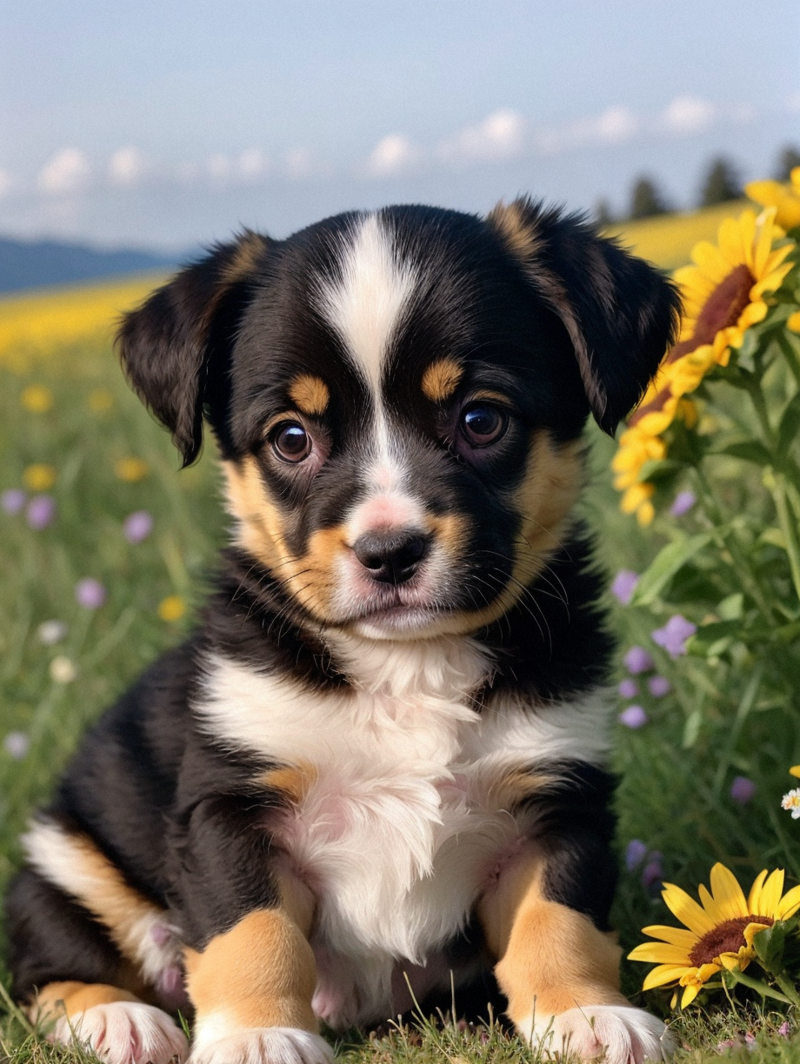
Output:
[[398, 399]]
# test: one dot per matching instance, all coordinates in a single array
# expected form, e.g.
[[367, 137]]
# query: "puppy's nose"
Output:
[[391, 557]]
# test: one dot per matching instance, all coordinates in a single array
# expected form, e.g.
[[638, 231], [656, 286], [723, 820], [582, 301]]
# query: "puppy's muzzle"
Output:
[[391, 557]]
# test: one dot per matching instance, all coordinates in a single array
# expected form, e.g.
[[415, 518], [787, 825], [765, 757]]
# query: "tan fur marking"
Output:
[[549, 490], [294, 781], [521, 237], [261, 532], [518, 786], [550, 958], [246, 258], [311, 394], [101, 888], [69, 998], [441, 379], [261, 973], [523, 240]]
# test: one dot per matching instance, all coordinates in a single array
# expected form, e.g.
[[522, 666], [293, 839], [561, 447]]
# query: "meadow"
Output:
[[106, 550]]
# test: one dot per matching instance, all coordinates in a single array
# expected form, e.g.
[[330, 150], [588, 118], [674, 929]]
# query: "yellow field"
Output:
[[39, 323], [667, 241], [42, 322]]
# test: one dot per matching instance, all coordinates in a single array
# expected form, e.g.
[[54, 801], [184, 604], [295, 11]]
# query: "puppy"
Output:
[[380, 761]]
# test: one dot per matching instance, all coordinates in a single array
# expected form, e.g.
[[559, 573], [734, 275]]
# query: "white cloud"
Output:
[[67, 171], [394, 154], [500, 136], [298, 163], [218, 167], [252, 164], [688, 114], [793, 102], [615, 125], [126, 167], [6, 183]]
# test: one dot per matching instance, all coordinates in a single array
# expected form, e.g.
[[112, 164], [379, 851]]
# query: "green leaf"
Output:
[[748, 449], [665, 565], [769, 946], [789, 426], [659, 470], [692, 729], [732, 607]]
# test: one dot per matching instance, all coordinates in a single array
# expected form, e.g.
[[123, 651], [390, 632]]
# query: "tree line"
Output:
[[720, 183]]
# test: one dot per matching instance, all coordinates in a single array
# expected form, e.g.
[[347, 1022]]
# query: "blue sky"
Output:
[[173, 123]]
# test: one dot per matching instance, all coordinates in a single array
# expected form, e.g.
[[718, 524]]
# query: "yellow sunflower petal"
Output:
[[665, 973], [771, 893], [676, 936], [686, 909], [789, 904], [754, 897], [711, 906], [728, 895], [795, 769], [659, 953], [749, 934], [689, 994]]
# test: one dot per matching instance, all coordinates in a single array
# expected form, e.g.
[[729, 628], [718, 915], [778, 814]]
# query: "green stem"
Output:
[[765, 991], [788, 522], [788, 987], [791, 357]]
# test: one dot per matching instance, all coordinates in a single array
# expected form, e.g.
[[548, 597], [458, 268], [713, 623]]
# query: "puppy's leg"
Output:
[[252, 988], [561, 974], [119, 1027]]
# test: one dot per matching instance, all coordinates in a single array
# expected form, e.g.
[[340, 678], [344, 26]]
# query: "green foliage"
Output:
[[646, 199], [720, 184]]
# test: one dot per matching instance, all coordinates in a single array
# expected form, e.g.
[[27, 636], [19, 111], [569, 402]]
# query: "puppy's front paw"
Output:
[[125, 1032], [618, 1034], [264, 1045]]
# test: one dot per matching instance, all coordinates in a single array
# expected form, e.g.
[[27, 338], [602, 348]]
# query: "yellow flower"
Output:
[[100, 400], [36, 398], [131, 469], [794, 770], [172, 608], [39, 477], [784, 198], [723, 295], [793, 322], [717, 934]]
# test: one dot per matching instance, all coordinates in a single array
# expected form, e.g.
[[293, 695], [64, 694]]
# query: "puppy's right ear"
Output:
[[174, 345]]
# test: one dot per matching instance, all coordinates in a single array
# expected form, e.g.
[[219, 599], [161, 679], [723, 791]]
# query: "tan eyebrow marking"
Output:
[[441, 378], [311, 394]]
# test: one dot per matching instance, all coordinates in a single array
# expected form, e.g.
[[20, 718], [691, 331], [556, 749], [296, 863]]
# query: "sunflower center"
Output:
[[724, 305], [727, 937]]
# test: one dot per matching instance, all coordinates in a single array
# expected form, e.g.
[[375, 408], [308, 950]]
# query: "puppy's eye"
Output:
[[291, 442], [482, 423]]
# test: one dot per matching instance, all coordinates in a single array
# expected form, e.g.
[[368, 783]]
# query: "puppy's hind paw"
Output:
[[125, 1032], [617, 1034], [265, 1045]]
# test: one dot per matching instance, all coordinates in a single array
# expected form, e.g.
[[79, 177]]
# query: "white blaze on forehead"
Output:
[[366, 304]]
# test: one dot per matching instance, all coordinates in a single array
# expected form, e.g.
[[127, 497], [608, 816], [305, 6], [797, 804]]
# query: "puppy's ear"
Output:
[[173, 347], [621, 314]]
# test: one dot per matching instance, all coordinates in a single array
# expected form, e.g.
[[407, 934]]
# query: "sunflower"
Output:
[[723, 295], [718, 934], [785, 198]]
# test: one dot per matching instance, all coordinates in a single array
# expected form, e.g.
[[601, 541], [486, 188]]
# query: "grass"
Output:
[[65, 406]]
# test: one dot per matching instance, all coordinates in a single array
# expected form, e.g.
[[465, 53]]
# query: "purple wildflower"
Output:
[[137, 526], [41, 511], [635, 853], [638, 660], [13, 500], [633, 717], [742, 790], [624, 585], [672, 637], [658, 686], [628, 688], [682, 503], [652, 873], [90, 593], [785, 1029], [17, 744]]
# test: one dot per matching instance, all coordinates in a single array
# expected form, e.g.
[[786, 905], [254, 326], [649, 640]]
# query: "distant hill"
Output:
[[36, 264]]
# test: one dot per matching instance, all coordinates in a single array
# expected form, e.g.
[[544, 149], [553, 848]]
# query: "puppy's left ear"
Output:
[[174, 346], [621, 314]]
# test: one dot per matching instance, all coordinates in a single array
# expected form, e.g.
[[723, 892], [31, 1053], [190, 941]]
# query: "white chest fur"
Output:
[[404, 816]]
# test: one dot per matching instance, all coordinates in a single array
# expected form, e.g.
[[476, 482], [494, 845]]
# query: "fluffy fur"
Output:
[[382, 754]]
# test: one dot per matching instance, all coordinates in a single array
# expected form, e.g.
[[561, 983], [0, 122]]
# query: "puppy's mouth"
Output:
[[398, 609]]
